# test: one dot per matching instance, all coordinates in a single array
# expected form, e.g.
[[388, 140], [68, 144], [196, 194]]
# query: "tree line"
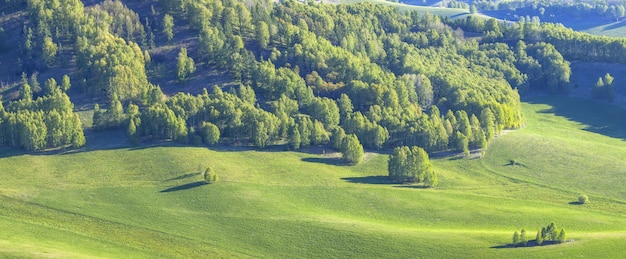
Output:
[[549, 234], [45, 122], [302, 76]]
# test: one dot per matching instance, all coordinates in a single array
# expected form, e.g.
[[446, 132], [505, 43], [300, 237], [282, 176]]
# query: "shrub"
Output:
[[210, 176], [515, 162], [583, 199]]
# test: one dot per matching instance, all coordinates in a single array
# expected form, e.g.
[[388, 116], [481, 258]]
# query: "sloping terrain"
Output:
[[149, 201]]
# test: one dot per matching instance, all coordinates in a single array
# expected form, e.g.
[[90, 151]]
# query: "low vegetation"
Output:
[[550, 234], [209, 175], [583, 199]]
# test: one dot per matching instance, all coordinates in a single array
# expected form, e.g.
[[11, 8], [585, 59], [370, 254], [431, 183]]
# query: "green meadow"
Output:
[[441, 11], [149, 201]]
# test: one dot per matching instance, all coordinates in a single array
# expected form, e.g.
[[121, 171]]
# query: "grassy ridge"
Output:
[[450, 12], [145, 202]]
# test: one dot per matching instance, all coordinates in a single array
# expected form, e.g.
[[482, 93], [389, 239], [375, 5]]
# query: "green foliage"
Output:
[[270, 183], [352, 150], [185, 65], [46, 122], [411, 165], [604, 88], [26, 92], [539, 238], [49, 50], [168, 27], [583, 199], [210, 133], [262, 34], [123, 21], [549, 233], [552, 233], [515, 162], [523, 241], [112, 118], [295, 140], [210, 176], [65, 83], [132, 131], [561, 238], [337, 137]]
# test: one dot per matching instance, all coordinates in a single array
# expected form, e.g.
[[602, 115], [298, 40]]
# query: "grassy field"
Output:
[[450, 12], [149, 202]]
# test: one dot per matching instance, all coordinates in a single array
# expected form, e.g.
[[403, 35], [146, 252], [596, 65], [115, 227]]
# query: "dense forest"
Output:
[[613, 9], [300, 74]]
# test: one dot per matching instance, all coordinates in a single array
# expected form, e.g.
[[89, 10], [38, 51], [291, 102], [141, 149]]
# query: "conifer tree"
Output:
[[561, 237], [168, 27], [539, 238], [294, 137], [132, 131], [65, 83]]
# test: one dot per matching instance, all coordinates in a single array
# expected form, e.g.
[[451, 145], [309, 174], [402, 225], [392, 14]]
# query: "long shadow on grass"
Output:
[[184, 176], [597, 117], [325, 160], [185, 187], [369, 180], [615, 25], [531, 243], [413, 186]]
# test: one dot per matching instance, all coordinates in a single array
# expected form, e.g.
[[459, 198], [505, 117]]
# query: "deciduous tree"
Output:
[[352, 150]]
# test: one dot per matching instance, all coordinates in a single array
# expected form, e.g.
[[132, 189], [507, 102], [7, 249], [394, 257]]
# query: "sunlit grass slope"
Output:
[[450, 12], [148, 202]]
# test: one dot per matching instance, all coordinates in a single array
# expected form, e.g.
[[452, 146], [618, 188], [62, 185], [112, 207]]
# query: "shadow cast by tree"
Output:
[[184, 187], [608, 123], [369, 180], [413, 186], [183, 176], [326, 160]]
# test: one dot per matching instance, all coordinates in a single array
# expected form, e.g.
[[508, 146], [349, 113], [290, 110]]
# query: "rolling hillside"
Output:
[[264, 80], [147, 202]]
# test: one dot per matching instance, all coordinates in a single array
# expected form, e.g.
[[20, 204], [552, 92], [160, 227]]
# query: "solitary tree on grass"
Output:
[[352, 150], [209, 175], [583, 199]]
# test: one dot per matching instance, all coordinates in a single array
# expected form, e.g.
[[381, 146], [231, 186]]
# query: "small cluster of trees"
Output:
[[604, 89], [45, 122], [550, 234], [411, 164]]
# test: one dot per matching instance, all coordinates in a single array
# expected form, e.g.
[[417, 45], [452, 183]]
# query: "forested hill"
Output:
[[283, 73]]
